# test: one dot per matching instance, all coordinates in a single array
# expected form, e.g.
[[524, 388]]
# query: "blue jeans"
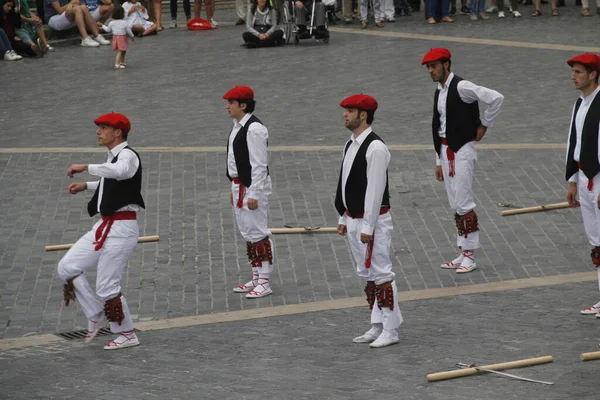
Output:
[[478, 6], [4, 43], [432, 6]]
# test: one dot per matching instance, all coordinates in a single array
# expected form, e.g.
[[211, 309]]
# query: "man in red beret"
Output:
[[456, 126], [363, 202], [583, 159], [108, 246], [248, 171]]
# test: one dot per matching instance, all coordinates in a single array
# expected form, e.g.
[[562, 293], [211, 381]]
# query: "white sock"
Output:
[[255, 276], [263, 279], [468, 258]]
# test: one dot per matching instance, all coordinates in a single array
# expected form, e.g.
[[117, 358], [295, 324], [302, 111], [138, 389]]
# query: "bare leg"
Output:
[[197, 8], [80, 21], [42, 35], [150, 30], [122, 56], [117, 58], [106, 12], [210, 9], [89, 21], [157, 5]]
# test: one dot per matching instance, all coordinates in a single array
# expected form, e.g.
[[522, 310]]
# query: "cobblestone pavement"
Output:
[[172, 91], [311, 356]]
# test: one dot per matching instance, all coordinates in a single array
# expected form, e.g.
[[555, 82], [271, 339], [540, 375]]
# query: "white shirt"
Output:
[[586, 102], [127, 6], [378, 159], [469, 93], [118, 27], [257, 138], [125, 168]]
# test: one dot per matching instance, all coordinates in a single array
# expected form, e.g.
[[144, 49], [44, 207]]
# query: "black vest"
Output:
[[356, 184], [462, 119], [588, 157], [241, 154], [117, 194]]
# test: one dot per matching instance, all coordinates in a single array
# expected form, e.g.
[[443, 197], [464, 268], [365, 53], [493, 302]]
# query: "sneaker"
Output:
[[119, 66], [464, 10], [214, 23], [100, 39], [591, 310], [15, 55], [245, 288], [126, 339], [492, 9], [89, 42], [431, 21], [240, 22], [371, 335], [501, 14], [483, 16], [463, 269], [173, 24], [474, 17], [453, 12], [94, 327], [8, 56], [347, 21], [517, 14], [387, 338], [379, 24], [259, 291], [447, 19], [391, 19]]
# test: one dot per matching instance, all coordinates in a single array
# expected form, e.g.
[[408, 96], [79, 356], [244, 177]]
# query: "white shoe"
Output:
[[454, 263], [387, 338], [501, 14], [214, 23], [370, 335], [590, 310], [173, 24], [259, 291], [100, 39], [89, 42], [15, 55], [245, 288], [491, 9], [463, 269], [94, 327], [517, 14], [123, 341], [11, 56]]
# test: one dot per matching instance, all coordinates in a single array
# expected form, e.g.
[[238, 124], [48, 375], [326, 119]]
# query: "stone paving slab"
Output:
[[311, 356]]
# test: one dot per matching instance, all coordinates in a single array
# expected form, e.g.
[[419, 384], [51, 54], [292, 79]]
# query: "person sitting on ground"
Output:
[[31, 27], [303, 15], [261, 25], [6, 48], [62, 15], [10, 21], [136, 16], [100, 10]]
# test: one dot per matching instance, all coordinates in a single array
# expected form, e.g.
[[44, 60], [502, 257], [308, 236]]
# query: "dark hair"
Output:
[[250, 104], [124, 135], [589, 70], [118, 12], [449, 61], [254, 6]]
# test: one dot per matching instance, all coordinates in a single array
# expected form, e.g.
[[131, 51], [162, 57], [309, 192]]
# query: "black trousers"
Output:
[[273, 39], [186, 9]]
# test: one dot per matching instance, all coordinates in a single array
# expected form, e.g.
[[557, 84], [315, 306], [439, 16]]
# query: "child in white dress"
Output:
[[136, 16], [120, 29]]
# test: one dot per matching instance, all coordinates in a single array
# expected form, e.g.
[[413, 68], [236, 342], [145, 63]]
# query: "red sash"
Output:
[[107, 221], [241, 192]]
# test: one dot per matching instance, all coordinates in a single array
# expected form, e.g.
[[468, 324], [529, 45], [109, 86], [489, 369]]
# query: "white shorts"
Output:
[[96, 14], [60, 22]]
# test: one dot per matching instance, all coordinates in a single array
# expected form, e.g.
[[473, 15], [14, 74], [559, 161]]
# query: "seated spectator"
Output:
[[31, 27], [99, 10], [6, 48], [261, 24], [136, 16], [304, 13], [62, 15], [10, 21]]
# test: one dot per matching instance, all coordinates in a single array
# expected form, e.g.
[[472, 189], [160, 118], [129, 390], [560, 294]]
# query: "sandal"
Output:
[[555, 13], [536, 13], [586, 12]]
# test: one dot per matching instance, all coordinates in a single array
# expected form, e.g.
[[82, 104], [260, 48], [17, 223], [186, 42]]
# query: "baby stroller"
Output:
[[306, 22]]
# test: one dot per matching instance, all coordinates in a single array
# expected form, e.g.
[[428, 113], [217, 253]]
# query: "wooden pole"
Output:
[[595, 355], [142, 239], [284, 231], [439, 376], [555, 206]]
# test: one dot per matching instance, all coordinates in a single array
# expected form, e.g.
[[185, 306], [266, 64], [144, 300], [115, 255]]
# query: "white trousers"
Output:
[[589, 210], [376, 10], [460, 188], [253, 224], [381, 265], [111, 261], [240, 8], [387, 9]]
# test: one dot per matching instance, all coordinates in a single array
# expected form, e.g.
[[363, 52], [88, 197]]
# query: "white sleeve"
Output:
[[438, 160], [107, 28], [92, 186], [378, 159], [125, 167], [257, 138], [129, 31], [343, 219], [470, 93]]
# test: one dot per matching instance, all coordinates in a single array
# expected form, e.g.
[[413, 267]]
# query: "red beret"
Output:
[[116, 120], [588, 59], [361, 101], [437, 54], [239, 93]]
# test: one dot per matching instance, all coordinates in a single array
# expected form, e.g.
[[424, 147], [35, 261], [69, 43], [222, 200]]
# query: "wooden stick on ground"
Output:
[[284, 231], [555, 206], [439, 376], [142, 239], [595, 355]]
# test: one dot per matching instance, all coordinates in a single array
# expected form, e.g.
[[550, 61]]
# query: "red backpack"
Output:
[[198, 24]]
